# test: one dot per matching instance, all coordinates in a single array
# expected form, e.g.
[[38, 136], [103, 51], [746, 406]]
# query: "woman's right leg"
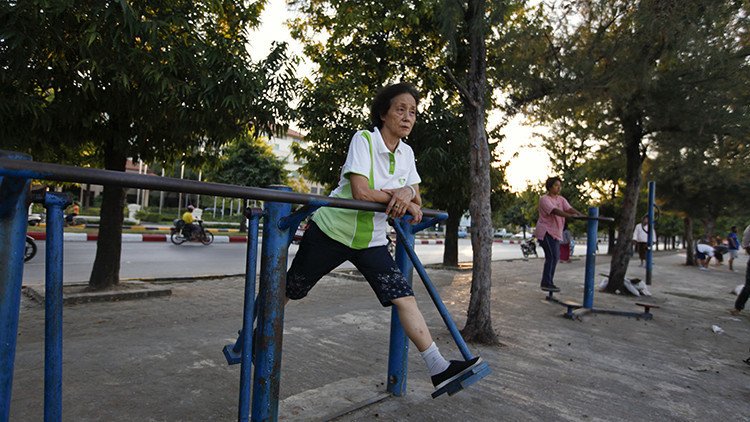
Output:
[[551, 248], [317, 256]]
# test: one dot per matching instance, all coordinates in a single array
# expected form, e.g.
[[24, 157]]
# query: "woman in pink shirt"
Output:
[[553, 209]]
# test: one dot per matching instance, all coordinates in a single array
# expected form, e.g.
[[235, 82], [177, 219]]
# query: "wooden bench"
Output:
[[647, 309]]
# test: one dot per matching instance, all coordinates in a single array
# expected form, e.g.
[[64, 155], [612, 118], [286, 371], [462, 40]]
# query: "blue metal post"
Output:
[[591, 239], [435, 296], [398, 353], [651, 240], [248, 314], [13, 222], [270, 323], [55, 204]]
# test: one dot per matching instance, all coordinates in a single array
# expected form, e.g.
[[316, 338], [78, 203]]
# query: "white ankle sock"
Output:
[[435, 362]]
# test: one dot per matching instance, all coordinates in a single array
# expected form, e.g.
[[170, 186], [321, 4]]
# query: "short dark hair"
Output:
[[551, 181], [382, 102]]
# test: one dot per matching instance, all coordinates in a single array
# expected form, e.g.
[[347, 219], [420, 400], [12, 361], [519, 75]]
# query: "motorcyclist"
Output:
[[189, 228], [74, 210]]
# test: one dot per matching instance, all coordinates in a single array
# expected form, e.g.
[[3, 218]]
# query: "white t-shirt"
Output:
[[641, 236], [706, 249], [384, 170]]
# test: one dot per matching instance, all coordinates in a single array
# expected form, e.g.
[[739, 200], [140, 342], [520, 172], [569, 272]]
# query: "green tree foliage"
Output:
[[626, 72], [368, 44], [248, 161], [145, 79]]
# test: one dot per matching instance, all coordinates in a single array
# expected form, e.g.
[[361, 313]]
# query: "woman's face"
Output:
[[400, 118], [556, 188]]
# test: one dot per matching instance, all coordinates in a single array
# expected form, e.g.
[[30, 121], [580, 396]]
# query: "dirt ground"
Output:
[[160, 359]]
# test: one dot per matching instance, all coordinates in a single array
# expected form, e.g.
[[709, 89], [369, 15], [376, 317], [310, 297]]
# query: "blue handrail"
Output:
[[260, 340]]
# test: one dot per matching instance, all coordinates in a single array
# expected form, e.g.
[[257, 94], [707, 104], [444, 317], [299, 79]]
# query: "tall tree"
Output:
[[440, 143], [467, 26], [629, 66], [146, 79]]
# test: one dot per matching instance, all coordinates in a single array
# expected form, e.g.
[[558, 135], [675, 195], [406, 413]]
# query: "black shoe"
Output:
[[551, 288], [455, 369]]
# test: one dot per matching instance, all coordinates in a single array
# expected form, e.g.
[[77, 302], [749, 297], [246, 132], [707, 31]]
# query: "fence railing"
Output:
[[267, 310]]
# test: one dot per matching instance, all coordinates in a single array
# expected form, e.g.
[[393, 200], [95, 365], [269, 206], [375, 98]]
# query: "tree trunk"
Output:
[[106, 270], [450, 249], [634, 161], [709, 226], [611, 233], [688, 241], [478, 326]]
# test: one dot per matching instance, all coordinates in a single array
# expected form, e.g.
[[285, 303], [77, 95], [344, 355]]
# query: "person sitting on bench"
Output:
[[379, 167]]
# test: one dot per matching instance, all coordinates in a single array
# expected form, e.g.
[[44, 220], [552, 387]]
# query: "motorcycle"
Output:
[[35, 219], [197, 233], [30, 250], [528, 247]]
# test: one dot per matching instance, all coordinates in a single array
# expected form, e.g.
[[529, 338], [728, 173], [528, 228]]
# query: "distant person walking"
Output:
[[640, 238], [739, 304], [553, 210], [734, 247]]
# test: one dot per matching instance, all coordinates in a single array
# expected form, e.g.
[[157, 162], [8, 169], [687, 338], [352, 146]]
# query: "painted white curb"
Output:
[[132, 237], [75, 237]]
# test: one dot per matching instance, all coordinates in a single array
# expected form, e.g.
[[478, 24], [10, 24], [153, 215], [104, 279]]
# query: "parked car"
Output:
[[462, 233], [501, 233]]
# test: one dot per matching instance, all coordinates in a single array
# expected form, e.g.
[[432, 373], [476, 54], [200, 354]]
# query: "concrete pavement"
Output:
[[160, 359]]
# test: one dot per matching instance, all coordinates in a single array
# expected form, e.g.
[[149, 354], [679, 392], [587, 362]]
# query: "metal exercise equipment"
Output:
[[575, 310], [405, 245], [260, 340]]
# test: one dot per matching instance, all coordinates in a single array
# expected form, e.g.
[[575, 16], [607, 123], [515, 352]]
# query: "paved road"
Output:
[[157, 260]]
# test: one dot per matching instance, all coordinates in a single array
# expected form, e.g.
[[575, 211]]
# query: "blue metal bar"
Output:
[[293, 220], [428, 223], [62, 173], [591, 239], [55, 204], [13, 222], [270, 325], [246, 335], [398, 352], [650, 250], [434, 294]]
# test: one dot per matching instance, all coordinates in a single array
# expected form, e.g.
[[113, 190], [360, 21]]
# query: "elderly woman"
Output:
[[379, 167], [553, 210]]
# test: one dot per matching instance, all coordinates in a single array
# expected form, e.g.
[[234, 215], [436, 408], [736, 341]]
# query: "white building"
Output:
[[282, 149]]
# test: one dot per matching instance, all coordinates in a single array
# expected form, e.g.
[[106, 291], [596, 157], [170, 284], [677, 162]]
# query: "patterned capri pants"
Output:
[[318, 255]]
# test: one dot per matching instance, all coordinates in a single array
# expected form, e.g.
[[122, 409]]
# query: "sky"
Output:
[[532, 163]]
